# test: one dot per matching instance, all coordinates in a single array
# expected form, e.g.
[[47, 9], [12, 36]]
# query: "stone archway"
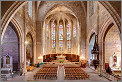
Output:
[[89, 37], [11, 46], [33, 46], [101, 39], [112, 46], [116, 19], [29, 50], [62, 20], [91, 44], [9, 14], [21, 39], [33, 37]]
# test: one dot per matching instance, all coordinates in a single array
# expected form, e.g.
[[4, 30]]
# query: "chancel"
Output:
[[60, 41]]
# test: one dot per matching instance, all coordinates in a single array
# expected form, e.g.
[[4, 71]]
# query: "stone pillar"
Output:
[[57, 36], [87, 49], [78, 38], [25, 21], [72, 39], [64, 37], [34, 51], [50, 37], [40, 40]]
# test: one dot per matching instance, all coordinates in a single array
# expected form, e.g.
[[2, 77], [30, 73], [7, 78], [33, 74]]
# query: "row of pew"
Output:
[[75, 73], [46, 73], [71, 73]]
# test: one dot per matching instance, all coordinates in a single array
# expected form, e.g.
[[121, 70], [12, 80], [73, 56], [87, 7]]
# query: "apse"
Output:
[[60, 32]]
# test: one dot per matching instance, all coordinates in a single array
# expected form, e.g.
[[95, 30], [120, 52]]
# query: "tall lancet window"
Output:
[[30, 8], [91, 8], [53, 36], [68, 37], [60, 37]]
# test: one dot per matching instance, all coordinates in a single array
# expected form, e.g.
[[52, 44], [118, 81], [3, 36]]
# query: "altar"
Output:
[[61, 56], [61, 59]]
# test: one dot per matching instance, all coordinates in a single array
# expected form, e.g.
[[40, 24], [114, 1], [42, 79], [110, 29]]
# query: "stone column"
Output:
[[50, 37], [57, 36], [34, 51], [40, 40], [77, 37], [64, 37], [46, 39], [87, 49], [72, 39], [25, 20]]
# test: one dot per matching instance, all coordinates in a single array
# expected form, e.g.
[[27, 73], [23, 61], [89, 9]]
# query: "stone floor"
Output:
[[93, 76], [60, 73], [18, 78]]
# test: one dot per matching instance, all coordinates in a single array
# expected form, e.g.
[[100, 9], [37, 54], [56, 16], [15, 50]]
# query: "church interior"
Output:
[[61, 40]]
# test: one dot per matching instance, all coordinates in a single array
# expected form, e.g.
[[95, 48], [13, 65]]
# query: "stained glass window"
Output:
[[68, 45], [53, 36], [61, 32], [53, 44], [61, 37], [60, 45], [74, 32], [68, 32], [30, 8], [91, 8], [68, 37]]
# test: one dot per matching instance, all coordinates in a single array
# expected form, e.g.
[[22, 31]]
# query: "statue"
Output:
[[7, 66], [114, 60], [7, 60]]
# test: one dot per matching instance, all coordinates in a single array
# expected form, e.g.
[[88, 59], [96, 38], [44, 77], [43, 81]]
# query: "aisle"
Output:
[[93, 76], [60, 74]]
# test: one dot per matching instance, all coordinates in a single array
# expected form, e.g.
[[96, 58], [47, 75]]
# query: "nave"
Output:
[[61, 40], [60, 71]]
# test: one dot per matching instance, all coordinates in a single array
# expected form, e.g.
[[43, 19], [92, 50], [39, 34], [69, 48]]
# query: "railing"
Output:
[[116, 77], [111, 77], [3, 78]]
